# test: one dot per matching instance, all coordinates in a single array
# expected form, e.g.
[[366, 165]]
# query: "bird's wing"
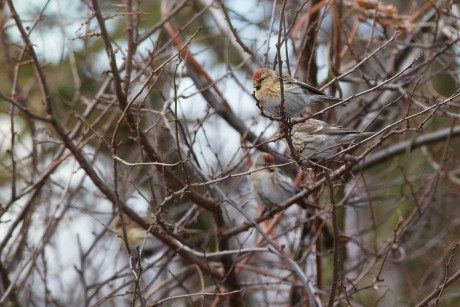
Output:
[[337, 130], [285, 183], [311, 126], [313, 90]]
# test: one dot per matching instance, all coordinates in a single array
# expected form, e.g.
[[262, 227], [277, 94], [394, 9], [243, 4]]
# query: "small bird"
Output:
[[298, 96], [272, 186], [320, 140], [136, 235]]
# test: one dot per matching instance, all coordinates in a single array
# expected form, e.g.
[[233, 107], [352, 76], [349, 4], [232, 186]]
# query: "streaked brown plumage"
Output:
[[319, 140]]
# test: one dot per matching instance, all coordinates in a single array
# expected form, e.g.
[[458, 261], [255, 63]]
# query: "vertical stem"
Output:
[[335, 272]]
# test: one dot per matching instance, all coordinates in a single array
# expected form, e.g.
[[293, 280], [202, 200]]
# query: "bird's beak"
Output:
[[256, 84]]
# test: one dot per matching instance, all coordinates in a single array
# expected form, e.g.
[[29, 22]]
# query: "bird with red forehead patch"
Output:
[[269, 184], [298, 96]]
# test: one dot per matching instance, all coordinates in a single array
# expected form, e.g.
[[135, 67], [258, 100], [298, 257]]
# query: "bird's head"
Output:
[[260, 75], [263, 159]]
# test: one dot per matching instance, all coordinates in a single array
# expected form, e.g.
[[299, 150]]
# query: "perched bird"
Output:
[[271, 186], [298, 96], [320, 140], [136, 235]]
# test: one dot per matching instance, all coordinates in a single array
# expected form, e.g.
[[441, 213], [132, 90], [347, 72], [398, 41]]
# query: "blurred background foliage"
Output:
[[398, 217]]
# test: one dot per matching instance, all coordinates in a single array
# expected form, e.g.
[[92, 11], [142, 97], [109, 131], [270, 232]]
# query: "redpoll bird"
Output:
[[319, 140], [298, 96], [271, 186], [136, 235]]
